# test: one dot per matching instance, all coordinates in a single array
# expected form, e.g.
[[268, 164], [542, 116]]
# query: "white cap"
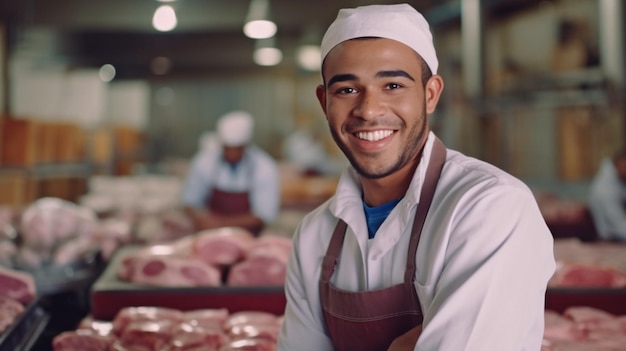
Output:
[[399, 22], [235, 128]]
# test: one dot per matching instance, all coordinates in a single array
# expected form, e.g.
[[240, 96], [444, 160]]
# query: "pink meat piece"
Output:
[[584, 345], [580, 275], [587, 316], [17, 285], [127, 315], [188, 337], [206, 317], [81, 339], [250, 318], [249, 345], [254, 331], [558, 327], [259, 270], [223, 246], [104, 328], [9, 310], [153, 335], [174, 272], [273, 241]]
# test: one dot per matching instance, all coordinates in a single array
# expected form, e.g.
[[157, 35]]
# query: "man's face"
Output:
[[233, 154], [376, 104]]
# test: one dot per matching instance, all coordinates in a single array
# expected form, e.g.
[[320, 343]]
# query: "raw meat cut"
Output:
[[579, 275], [249, 345], [171, 271], [127, 315], [81, 339], [17, 285], [189, 337], [265, 265], [9, 310], [223, 246]]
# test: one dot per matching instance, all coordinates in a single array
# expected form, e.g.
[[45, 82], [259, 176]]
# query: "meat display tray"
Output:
[[25, 330], [110, 294], [612, 300]]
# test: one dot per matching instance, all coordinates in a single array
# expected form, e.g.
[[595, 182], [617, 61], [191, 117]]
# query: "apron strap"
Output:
[[334, 248], [437, 160]]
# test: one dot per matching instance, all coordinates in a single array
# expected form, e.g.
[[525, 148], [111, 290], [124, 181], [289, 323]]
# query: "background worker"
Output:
[[234, 184], [421, 247], [607, 198]]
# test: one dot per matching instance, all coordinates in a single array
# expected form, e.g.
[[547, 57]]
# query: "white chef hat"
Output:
[[400, 22], [235, 128]]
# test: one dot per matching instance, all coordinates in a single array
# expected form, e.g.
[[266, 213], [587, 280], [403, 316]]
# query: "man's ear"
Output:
[[320, 92], [433, 90]]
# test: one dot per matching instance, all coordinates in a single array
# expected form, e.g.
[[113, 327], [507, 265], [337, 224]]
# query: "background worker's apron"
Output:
[[371, 320], [229, 202]]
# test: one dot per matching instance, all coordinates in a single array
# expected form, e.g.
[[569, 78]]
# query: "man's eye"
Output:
[[346, 91], [393, 86]]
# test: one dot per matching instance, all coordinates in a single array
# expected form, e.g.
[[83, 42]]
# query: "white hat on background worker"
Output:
[[235, 128], [399, 22]]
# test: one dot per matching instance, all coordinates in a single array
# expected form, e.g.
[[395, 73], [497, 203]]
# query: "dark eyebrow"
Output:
[[396, 73], [341, 78]]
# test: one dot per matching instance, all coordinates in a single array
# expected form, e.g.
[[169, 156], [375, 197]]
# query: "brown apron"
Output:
[[371, 320], [230, 203]]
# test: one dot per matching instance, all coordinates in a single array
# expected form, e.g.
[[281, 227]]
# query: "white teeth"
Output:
[[375, 135]]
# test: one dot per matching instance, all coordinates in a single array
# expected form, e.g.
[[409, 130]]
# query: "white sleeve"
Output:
[[607, 207], [490, 294], [197, 182], [303, 325], [265, 199]]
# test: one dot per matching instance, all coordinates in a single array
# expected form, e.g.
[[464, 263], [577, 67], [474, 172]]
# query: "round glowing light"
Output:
[[267, 56], [259, 29], [106, 73], [309, 57], [164, 19]]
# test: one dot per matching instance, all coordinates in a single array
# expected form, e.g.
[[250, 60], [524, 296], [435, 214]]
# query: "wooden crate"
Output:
[[19, 139], [69, 143], [16, 189]]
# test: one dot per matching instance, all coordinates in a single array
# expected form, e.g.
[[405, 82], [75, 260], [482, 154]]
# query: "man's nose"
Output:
[[370, 105]]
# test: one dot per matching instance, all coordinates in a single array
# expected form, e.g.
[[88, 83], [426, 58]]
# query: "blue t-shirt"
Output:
[[375, 216]]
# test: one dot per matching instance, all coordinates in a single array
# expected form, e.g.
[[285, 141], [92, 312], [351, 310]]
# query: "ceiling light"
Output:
[[164, 19], [258, 25], [309, 57], [266, 54], [106, 73]]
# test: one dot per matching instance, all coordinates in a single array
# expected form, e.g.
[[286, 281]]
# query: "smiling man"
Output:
[[421, 247]]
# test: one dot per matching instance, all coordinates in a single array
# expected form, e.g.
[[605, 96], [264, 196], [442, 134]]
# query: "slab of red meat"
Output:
[[17, 285], [579, 275], [249, 345], [153, 335], [254, 331], [273, 241], [206, 317], [188, 337], [81, 339], [173, 271], [127, 315], [9, 310], [558, 327], [103, 328], [264, 265], [251, 318], [223, 246]]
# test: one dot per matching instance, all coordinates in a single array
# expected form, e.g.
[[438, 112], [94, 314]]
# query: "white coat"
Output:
[[483, 262], [607, 197], [257, 173]]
